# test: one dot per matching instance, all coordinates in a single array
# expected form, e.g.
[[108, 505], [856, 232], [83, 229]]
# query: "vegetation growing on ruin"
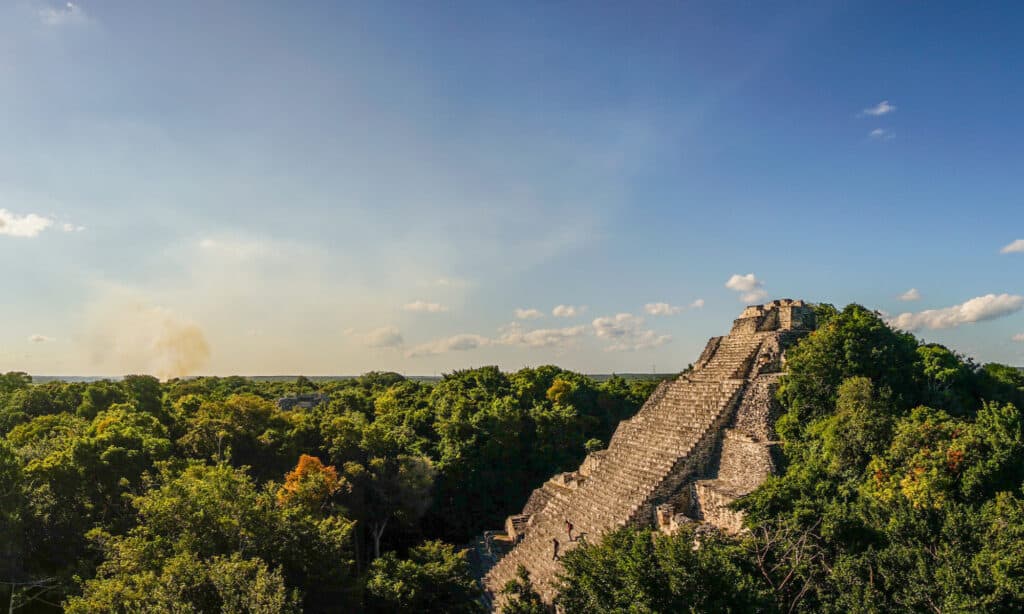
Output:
[[902, 491]]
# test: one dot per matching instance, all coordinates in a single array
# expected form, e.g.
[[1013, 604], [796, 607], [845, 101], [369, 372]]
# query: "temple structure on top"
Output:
[[698, 443]]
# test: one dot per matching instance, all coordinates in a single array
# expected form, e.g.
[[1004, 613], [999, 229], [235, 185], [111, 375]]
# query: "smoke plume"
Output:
[[131, 336]]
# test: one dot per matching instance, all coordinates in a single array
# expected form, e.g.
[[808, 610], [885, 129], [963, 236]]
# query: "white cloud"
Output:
[[424, 307], [456, 343], [68, 14], [978, 309], [542, 337], [880, 134], [71, 228], [26, 226], [1016, 247], [528, 314], [626, 333], [385, 337], [1019, 337], [882, 108], [662, 309], [751, 288], [40, 338], [910, 295], [612, 327], [697, 304], [567, 311]]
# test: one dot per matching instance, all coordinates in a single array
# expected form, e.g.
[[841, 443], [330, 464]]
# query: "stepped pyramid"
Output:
[[698, 443]]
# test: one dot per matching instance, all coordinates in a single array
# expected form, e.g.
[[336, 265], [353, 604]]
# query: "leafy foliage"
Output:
[[886, 500], [434, 578], [636, 571], [205, 495], [520, 595]]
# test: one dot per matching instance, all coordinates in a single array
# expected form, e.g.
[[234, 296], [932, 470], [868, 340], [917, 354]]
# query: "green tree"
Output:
[[520, 597], [388, 491], [201, 512], [249, 430], [14, 380], [184, 583], [855, 342], [633, 570], [100, 396], [434, 578], [145, 391]]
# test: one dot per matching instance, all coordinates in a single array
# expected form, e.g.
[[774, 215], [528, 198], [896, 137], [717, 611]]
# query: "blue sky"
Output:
[[324, 187]]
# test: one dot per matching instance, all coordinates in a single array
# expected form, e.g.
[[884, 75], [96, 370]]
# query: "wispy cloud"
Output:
[[978, 309], [1019, 337], [234, 248], [1015, 247], [456, 343], [424, 307], [567, 311], [910, 295], [882, 108], [697, 304], [528, 314], [70, 13], [750, 288], [625, 331], [881, 134], [24, 226], [662, 309], [40, 338], [67, 227], [384, 337], [447, 282]]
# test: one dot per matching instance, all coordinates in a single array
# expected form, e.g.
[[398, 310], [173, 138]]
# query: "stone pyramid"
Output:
[[698, 443]]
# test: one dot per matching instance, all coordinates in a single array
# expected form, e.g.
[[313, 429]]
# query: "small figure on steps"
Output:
[[554, 542], [568, 529]]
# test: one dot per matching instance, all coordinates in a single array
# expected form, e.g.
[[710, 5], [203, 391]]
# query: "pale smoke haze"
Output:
[[133, 336]]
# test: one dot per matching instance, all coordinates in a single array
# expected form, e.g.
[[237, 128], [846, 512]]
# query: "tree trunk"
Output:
[[378, 531], [356, 538]]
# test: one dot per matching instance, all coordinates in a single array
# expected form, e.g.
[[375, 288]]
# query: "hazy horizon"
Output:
[[263, 188]]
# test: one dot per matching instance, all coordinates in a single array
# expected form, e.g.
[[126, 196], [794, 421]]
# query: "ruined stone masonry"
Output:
[[698, 443]]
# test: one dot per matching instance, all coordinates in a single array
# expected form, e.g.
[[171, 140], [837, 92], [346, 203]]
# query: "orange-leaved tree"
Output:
[[311, 485]]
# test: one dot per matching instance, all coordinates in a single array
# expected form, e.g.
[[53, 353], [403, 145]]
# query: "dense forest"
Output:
[[901, 490], [205, 495]]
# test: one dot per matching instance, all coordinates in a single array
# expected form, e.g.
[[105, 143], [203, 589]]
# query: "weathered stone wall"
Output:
[[516, 525], [714, 506], [744, 463], [303, 401], [756, 414], [592, 462]]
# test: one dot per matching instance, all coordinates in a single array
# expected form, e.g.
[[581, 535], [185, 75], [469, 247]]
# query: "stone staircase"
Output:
[[651, 459]]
